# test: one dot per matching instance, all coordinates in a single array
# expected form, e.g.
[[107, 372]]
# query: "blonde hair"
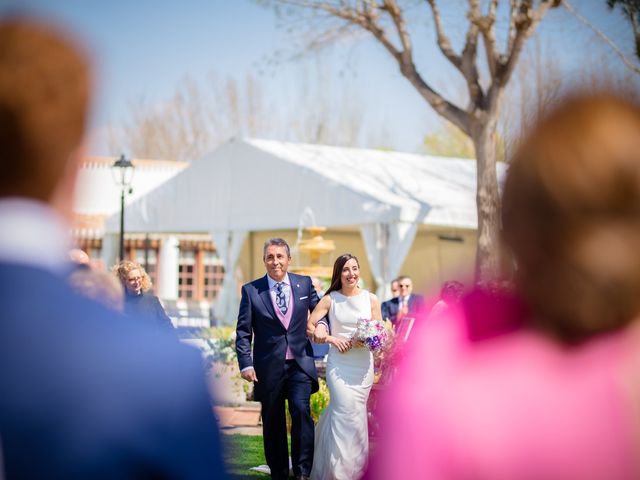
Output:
[[122, 269], [571, 216]]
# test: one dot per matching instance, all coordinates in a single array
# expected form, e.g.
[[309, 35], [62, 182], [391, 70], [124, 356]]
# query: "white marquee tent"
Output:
[[252, 185]]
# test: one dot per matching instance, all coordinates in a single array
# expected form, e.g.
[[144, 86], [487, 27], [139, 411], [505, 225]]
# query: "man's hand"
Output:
[[249, 375], [320, 334]]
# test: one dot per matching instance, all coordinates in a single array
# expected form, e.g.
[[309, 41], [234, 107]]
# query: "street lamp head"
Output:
[[122, 171]]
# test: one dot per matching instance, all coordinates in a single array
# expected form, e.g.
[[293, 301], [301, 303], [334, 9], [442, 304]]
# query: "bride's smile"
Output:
[[350, 274]]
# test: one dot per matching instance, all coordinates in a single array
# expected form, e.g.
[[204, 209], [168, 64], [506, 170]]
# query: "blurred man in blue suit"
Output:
[[84, 393]]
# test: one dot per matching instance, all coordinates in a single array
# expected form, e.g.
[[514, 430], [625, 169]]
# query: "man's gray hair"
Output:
[[280, 242]]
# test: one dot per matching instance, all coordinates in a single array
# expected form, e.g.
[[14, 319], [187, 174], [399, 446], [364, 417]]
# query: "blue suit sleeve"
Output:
[[313, 297], [385, 310], [244, 331]]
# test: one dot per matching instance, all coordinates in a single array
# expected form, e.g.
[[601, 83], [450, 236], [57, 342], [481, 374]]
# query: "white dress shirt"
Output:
[[32, 234]]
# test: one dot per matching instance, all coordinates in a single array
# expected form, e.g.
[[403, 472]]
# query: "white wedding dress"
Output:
[[342, 437]]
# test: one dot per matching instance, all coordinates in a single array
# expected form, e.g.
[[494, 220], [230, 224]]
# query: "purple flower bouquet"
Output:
[[372, 333]]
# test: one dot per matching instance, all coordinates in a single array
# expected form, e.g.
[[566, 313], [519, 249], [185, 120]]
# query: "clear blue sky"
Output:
[[145, 47]]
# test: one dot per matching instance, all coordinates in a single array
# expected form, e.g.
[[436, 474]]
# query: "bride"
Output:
[[341, 438]]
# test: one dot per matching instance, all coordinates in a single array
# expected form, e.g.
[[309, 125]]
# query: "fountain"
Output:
[[314, 247]]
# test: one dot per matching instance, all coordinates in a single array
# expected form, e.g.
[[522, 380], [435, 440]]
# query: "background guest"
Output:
[[405, 304], [84, 392], [450, 295], [139, 302], [384, 307], [395, 288], [545, 385]]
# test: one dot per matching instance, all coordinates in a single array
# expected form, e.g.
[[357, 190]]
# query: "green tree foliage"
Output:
[[449, 141]]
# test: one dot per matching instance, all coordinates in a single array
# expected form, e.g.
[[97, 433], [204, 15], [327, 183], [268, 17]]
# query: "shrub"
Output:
[[319, 400], [221, 345]]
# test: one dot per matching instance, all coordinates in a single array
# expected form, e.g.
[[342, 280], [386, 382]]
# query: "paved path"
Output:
[[242, 420]]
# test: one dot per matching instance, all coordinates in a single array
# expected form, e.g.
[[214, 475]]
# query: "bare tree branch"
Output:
[[628, 63], [466, 62], [485, 24], [469, 66], [443, 41], [367, 20], [525, 23], [479, 121], [392, 8], [513, 13]]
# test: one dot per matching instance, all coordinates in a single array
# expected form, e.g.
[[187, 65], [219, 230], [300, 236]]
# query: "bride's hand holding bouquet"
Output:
[[371, 333], [321, 335], [342, 344]]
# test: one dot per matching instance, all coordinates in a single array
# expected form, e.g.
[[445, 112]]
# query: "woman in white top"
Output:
[[341, 437]]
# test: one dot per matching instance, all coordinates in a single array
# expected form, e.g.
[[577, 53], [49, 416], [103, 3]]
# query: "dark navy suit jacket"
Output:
[[87, 393], [257, 318], [391, 307]]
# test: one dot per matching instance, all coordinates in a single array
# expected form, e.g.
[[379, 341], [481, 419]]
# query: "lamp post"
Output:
[[122, 171]]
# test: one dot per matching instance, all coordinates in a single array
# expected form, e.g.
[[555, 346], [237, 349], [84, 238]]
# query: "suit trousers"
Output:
[[296, 389]]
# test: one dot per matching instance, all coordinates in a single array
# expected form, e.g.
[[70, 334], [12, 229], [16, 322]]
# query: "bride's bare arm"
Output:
[[320, 334], [318, 313]]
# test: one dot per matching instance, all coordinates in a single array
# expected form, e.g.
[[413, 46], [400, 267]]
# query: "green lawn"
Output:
[[241, 452]]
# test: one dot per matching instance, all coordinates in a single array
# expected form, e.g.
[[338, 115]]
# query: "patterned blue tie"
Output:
[[281, 300]]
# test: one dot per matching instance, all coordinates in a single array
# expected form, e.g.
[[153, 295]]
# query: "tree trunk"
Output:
[[487, 199]]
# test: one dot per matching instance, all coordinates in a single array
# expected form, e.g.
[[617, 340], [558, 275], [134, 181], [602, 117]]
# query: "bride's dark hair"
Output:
[[336, 280]]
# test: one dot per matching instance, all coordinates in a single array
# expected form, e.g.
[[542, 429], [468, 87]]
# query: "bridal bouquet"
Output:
[[372, 333]]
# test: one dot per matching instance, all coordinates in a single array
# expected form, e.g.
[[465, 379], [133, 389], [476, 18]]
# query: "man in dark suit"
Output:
[[395, 290], [274, 311], [406, 304], [84, 392]]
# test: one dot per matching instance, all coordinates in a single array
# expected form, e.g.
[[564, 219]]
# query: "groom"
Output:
[[274, 311]]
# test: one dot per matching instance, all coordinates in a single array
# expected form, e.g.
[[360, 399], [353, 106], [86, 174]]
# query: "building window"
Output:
[[187, 287], [213, 275]]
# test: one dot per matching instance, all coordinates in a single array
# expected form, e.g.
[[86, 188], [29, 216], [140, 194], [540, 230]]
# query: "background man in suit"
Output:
[[274, 311], [395, 290], [85, 393], [405, 304]]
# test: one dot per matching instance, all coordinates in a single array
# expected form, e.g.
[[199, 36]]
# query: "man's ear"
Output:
[[62, 199]]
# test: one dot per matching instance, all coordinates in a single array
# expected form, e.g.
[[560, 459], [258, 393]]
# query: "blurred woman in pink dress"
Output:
[[543, 383]]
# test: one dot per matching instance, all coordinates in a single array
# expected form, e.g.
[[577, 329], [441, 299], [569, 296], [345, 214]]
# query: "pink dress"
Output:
[[479, 397]]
